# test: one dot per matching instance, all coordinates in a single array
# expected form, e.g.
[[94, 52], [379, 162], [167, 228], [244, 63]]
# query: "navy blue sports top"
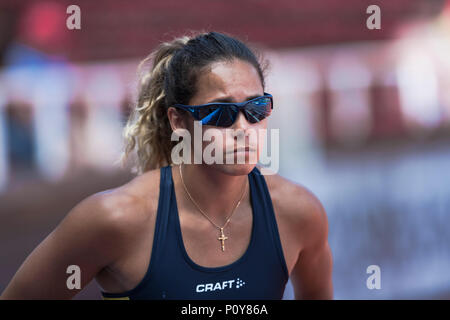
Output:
[[260, 273]]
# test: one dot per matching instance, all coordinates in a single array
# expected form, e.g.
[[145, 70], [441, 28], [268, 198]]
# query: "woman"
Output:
[[191, 231]]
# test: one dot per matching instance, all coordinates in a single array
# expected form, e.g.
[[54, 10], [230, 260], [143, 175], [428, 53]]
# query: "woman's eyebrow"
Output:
[[230, 99]]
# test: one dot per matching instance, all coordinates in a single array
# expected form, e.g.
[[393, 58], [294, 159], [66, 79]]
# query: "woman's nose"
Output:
[[240, 128], [241, 122]]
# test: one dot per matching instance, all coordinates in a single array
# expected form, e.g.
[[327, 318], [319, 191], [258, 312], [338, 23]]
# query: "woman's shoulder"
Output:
[[124, 210], [295, 203], [291, 194]]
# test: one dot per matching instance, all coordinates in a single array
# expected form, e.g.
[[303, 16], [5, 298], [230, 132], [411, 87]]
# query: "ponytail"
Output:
[[148, 128]]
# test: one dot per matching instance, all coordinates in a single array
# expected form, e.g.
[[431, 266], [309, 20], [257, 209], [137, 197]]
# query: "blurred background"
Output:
[[364, 119]]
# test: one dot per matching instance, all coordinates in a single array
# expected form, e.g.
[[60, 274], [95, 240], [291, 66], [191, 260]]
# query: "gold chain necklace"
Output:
[[222, 237]]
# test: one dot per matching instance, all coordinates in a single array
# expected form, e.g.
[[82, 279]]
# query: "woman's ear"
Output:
[[176, 119]]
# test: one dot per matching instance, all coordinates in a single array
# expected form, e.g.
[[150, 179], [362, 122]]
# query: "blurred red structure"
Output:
[[121, 29]]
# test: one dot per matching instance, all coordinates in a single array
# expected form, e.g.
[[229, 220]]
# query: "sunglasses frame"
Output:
[[194, 110]]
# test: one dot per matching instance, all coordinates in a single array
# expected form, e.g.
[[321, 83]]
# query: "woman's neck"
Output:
[[215, 192]]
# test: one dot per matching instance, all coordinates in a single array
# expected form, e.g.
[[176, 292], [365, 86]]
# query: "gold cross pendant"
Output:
[[222, 238]]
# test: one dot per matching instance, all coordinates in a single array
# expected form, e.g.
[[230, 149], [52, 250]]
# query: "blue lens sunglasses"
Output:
[[224, 114]]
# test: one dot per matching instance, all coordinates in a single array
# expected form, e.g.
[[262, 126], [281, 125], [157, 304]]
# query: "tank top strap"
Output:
[[162, 217], [264, 205]]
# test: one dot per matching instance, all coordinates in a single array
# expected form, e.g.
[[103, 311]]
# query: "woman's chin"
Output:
[[236, 169]]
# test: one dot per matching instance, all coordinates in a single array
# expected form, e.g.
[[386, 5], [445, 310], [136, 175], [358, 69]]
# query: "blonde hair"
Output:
[[171, 79], [148, 128]]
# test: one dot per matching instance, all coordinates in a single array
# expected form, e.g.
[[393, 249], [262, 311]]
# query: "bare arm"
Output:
[[87, 237], [311, 276]]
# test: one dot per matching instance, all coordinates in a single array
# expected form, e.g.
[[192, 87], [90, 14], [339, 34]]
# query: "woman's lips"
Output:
[[245, 149]]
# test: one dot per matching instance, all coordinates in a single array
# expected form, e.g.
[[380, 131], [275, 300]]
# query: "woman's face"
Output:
[[226, 81], [231, 81]]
